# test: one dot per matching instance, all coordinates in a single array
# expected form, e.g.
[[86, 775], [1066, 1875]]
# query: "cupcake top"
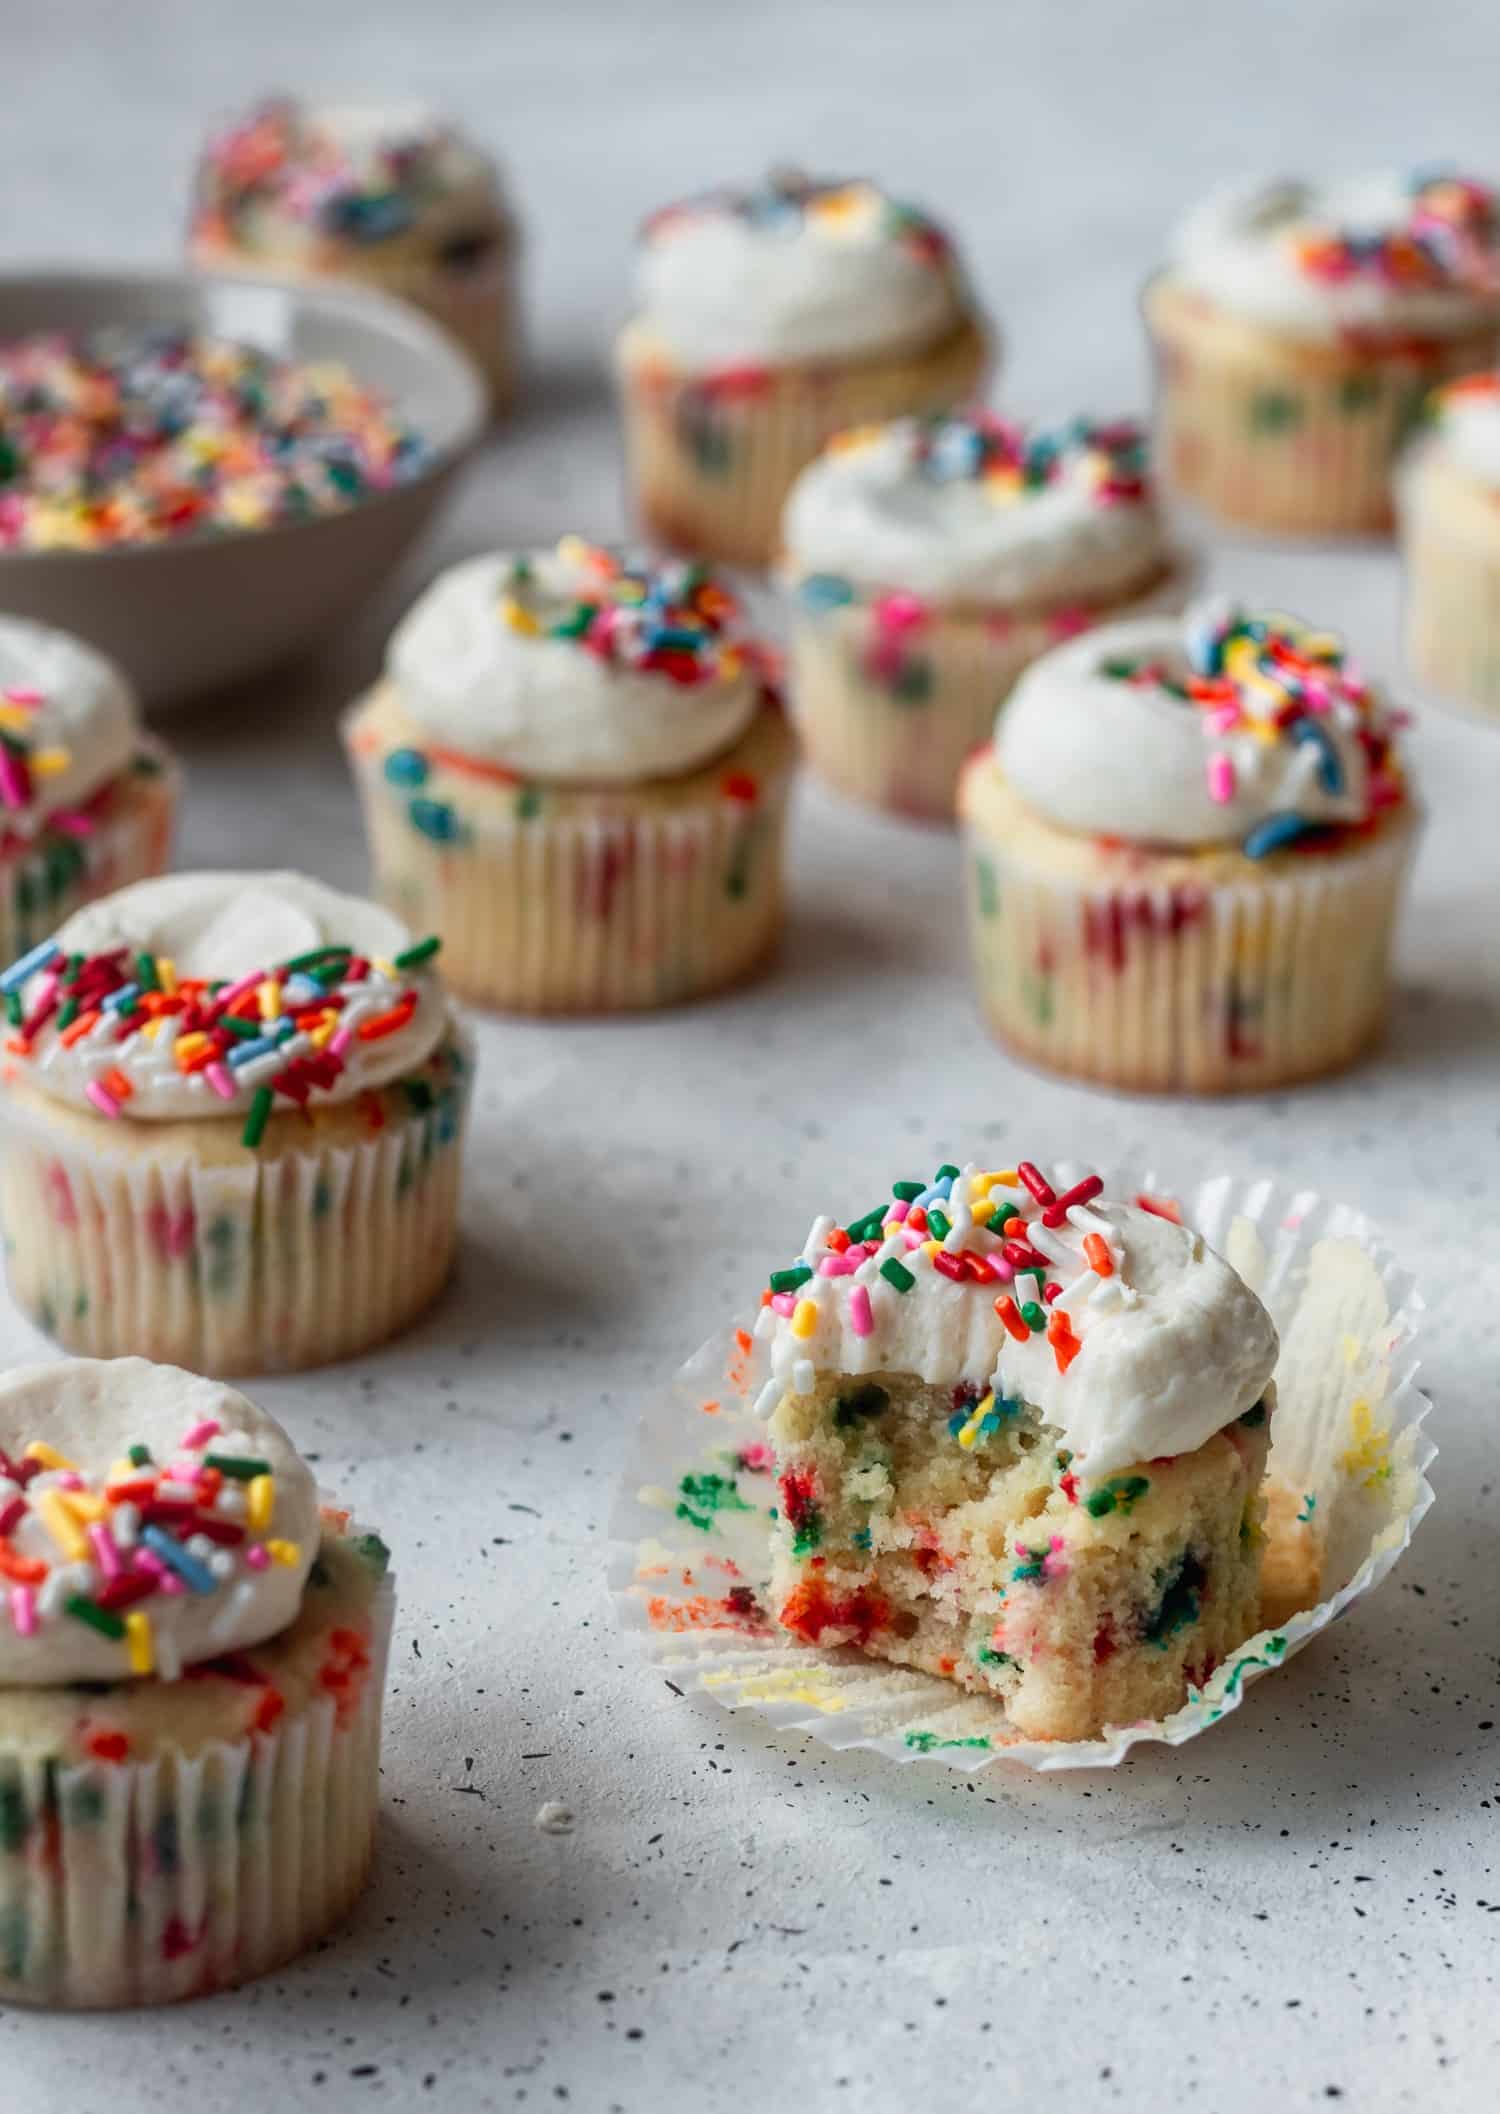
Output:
[[68, 725], [290, 178], [796, 271], [1387, 254], [149, 1519], [1222, 727], [579, 665], [977, 509], [222, 994], [1117, 1324], [1463, 422]]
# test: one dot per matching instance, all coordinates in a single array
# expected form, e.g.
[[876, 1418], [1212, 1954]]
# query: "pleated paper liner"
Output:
[[127, 837], [215, 1858], [1347, 1484]]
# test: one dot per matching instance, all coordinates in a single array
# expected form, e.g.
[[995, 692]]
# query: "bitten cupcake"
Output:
[[1449, 495], [1298, 328], [928, 561], [576, 770], [192, 1676], [393, 199], [767, 322], [232, 1106], [1185, 855], [1020, 1436], [86, 797]]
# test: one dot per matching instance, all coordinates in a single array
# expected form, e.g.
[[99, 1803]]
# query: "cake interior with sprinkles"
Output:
[[1021, 1434]]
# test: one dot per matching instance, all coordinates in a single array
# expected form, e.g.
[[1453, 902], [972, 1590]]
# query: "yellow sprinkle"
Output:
[[287, 1552], [384, 968], [187, 1047], [260, 1497], [47, 763], [139, 1647], [154, 1027], [121, 1472], [1369, 1456], [269, 998], [804, 1317], [1007, 1178], [166, 974], [518, 618], [61, 1525], [324, 1032], [49, 1457], [15, 719], [1353, 1350], [930, 1248], [83, 1505], [970, 1431]]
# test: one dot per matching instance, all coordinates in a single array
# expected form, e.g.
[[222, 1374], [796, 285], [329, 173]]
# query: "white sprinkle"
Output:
[[1079, 1287], [768, 1398], [168, 1657], [817, 1239], [804, 1376], [125, 1524], [1089, 1221]]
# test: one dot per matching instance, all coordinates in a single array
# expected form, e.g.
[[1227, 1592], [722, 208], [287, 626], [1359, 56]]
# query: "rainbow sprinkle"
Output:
[[788, 202], [1447, 240], [1013, 464]]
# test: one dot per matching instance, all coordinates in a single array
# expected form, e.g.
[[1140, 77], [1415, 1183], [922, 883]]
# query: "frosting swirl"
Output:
[[68, 724], [1388, 254], [1216, 728], [149, 1520], [978, 509], [579, 665], [1119, 1326], [796, 271], [213, 994]]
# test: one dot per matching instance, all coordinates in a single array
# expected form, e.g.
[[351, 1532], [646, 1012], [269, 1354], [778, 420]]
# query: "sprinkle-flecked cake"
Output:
[[1020, 1436], [190, 1689]]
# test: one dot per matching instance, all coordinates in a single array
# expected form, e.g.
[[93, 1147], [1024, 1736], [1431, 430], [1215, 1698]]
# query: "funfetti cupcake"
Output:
[[766, 322], [1185, 854], [191, 1678], [233, 1106], [576, 770], [391, 198], [929, 561], [87, 798], [1298, 328], [1449, 494]]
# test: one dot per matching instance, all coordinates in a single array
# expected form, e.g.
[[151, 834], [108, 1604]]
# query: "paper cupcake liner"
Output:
[[1347, 1482], [272, 1263], [711, 458], [1161, 986], [637, 907], [1282, 435], [1453, 607], [890, 706], [151, 1881], [41, 887]]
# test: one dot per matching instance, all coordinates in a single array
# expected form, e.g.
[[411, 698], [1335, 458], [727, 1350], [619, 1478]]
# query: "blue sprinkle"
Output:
[[1330, 770], [197, 1577], [435, 819], [28, 965], [406, 767], [1273, 834], [824, 591], [243, 1052], [118, 1000]]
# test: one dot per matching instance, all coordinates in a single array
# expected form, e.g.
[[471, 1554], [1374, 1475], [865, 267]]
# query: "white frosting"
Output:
[[76, 717], [1173, 1345], [1466, 428], [224, 926], [779, 279], [1240, 249], [548, 707], [878, 510], [88, 1411], [1114, 758]]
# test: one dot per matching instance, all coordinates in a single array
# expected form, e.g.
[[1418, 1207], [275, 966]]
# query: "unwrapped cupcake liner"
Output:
[[1216, 987], [268, 1264], [1347, 1485], [1285, 435], [893, 694], [1452, 607], [712, 456], [129, 839], [143, 1882], [634, 907]]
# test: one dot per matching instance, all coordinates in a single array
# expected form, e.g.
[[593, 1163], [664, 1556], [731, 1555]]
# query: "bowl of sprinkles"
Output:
[[203, 477]]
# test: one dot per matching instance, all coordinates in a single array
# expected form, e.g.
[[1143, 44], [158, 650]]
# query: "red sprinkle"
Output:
[[1036, 1182], [1081, 1193]]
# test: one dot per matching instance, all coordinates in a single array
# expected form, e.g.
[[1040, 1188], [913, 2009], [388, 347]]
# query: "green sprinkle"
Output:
[[423, 951], [930, 1742], [701, 1497], [145, 972], [13, 1012], [259, 1116], [1119, 1493], [939, 1222], [907, 1191], [788, 1280], [246, 1030], [101, 1619], [370, 1549], [1033, 1317], [238, 1465], [897, 1274], [315, 955], [1001, 1217], [138, 1456], [868, 1227], [946, 1173], [68, 1015]]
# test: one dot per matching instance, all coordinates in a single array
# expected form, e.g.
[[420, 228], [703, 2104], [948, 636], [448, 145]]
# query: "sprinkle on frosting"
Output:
[[147, 436], [1447, 237], [1010, 463], [1463, 417], [788, 202], [668, 617]]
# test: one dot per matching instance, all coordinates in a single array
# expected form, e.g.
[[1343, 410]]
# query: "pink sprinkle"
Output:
[[246, 983], [106, 1555], [23, 1610], [69, 1479], [340, 1042], [185, 1470], [861, 1320], [837, 1266], [1220, 780], [148, 1560], [168, 1582], [899, 1209], [1223, 718], [102, 1098], [21, 694], [913, 1240], [71, 822], [15, 785], [257, 1556], [205, 1429], [783, 1303], [218, 1076], [1003, 1270], [900, 612]]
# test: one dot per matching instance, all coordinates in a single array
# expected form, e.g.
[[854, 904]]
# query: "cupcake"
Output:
[[1185, 854], [1020, 1438], [928, 562], [393, 199], [768, 321], [192, 1671], [1298, 329], [232, 1106], [576, 770], [1450, 541], [86, 798]]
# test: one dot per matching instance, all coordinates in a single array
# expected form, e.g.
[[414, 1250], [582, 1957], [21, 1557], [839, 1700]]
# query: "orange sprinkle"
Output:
[[388, 1023], [23, 1570], [1100, 1261], [1010, 1314], [117, 1083], [79, 1029], [1065, 1345]]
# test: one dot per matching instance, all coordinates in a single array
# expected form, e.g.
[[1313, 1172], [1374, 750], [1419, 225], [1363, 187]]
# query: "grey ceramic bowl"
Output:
[[186, 618]]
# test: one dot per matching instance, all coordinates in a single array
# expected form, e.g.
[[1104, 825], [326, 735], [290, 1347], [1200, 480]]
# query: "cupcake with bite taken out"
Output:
[[1449, 493], [767, 321]]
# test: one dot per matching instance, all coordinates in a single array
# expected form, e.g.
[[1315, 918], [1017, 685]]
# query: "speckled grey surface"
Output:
[[1302, 1908]]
